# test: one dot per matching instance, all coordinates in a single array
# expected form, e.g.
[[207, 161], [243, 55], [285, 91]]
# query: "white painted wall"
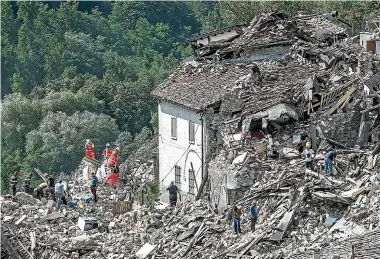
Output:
[[179, 151], [364, 37]]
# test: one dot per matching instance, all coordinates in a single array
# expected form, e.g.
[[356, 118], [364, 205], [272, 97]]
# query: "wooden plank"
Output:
[[372, 108], [282, 226], [313, 133], [363, 133], [13, 252], [342, 100]]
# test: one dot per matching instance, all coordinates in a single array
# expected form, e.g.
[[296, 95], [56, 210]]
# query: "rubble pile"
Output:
[[259, 116]]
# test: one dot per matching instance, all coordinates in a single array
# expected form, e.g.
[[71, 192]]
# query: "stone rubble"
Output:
[[302, 213]]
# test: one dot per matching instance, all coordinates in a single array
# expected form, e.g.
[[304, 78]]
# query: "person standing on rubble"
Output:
[[253, 210], [173, 190], [89, 149], [94, 186], [113, 166], [27, 183], [309, 155], [236, 216], [107, 152], [59, 193], [329, 159], [14, 181]]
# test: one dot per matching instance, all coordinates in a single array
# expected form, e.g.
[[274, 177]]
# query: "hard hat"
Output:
[[117, 149], [108, 144], [308, 145], [87, 140], [46, 175]]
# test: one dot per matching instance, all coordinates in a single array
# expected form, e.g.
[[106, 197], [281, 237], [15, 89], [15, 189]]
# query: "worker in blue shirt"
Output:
[[94, 185], [253, 210], [329, 159]]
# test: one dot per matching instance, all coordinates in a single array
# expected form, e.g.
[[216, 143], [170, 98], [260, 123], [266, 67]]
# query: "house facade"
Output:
[[180, 149]]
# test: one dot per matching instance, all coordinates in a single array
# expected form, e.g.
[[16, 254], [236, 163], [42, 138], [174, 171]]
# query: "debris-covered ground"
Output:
[[326, 90]]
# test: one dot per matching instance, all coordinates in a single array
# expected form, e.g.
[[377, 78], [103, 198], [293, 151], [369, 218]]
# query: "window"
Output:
[[177, 172], [191, 182], [191, 132], [174, 128]]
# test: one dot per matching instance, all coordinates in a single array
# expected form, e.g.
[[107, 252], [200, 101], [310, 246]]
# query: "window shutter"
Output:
[[174, 127], [191, 132]]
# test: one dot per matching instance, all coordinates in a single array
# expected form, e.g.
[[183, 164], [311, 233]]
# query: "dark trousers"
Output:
[[93, 191], [253, 223], [309, 164], [13, 190], [173, 201]]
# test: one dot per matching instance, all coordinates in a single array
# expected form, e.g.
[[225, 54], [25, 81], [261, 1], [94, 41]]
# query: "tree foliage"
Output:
[[77, 70]]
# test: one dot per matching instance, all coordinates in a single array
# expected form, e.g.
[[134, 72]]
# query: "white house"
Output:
[[180, 148], [183, 98]]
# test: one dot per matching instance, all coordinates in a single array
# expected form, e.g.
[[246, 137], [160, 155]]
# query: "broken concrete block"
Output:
[[87, 223], [354, 192], [240, 159], [145, 250], [19, 221]]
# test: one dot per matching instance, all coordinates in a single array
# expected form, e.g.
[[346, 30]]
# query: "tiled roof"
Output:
[[196, 85]]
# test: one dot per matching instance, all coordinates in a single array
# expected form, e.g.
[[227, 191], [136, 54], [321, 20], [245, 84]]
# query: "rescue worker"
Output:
[[107, 152], [89, 149], [14, 181], [309, 155], [27, 183], [113, 167], [41, 189], [173, 190], [329, 159], [51, 186], [93, 186], [253, 210], [114, 158], [59, 193], [237, 213]]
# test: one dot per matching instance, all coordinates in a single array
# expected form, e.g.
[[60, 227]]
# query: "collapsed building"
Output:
[[231, 120]]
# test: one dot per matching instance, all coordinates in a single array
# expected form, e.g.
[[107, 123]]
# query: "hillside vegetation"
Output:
[[72, 71]]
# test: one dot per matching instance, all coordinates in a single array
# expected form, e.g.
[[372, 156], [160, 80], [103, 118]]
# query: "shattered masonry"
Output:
[[325, 88]]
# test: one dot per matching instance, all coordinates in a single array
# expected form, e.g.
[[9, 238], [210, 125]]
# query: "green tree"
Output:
[[58, 144]]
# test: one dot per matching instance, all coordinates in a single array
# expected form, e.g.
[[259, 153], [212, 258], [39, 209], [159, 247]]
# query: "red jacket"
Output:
[[113, 159], [89, 147], [107, 152]]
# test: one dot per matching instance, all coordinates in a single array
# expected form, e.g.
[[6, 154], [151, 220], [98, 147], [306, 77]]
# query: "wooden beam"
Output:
[[370, 109], [343, 100]]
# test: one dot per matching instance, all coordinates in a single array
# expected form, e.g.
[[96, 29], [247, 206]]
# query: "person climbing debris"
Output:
[[41, 190], [14, 181], [89, 149], [329, 160], [94, 186], [173, 190], [309, 155]]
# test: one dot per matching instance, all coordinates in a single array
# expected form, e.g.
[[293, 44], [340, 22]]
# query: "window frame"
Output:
[[191, 130], [191, 182], [173, 127], [177, 175]]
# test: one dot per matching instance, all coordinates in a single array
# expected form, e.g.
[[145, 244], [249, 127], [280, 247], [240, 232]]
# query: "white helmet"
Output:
[[108, 144], [87, 141]]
